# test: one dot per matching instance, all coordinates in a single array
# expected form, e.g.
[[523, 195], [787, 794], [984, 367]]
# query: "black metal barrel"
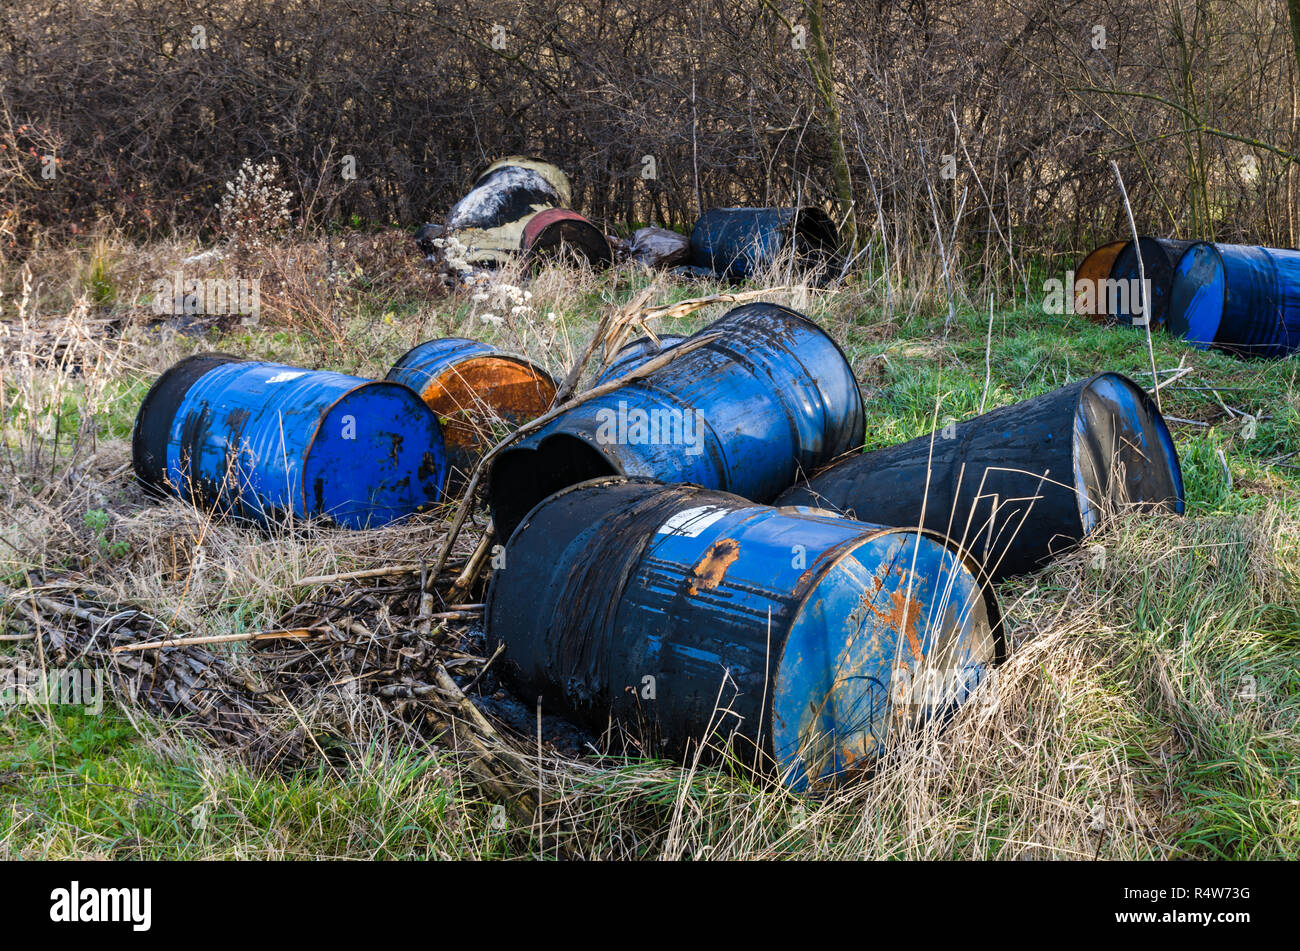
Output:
[[1160, 258], [739, 242], [1020, 484], [796, 638]]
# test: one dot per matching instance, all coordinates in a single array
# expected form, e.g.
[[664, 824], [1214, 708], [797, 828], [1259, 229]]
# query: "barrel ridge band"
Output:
[[580, 632]]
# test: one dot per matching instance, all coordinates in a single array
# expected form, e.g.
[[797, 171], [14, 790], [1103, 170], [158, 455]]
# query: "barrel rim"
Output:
[[1184, 326], [537, 225], [491, 351], [1113, 248], [156, 481], [1162, 428]]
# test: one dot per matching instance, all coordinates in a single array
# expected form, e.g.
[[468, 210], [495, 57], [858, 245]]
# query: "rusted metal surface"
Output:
[[801, 639], [738, 242], [1088, 281], [1022, 483], [478, 392], [563, 233], [268, 442], [771, 397], [1242, 299]]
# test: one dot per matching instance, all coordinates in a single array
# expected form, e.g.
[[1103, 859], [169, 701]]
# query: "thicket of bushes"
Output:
[[151, 105]]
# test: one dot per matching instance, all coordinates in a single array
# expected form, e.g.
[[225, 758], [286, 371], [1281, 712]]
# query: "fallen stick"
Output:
[[650, 366], [408, 569], [299, 633], [460, 587]]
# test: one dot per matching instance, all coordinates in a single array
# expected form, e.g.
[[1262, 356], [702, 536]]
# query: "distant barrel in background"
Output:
[[489, 220], [556, 232], [635, 353], [1022, 483], [1238, 298], [1088, 278], [772, 397], [476, 390], [737, 242], [266, 441], [1159, 258], [689, 615]]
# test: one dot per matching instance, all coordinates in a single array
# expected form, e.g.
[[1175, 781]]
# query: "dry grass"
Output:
[[1119, 728]]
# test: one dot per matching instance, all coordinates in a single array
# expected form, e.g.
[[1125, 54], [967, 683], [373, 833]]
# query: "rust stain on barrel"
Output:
[[903, 615], [470, 394], [712, 566]]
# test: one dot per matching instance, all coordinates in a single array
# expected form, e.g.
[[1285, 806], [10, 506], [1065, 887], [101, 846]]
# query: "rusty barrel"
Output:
[[635, 353], [1160, 258], [1088, 281], [267, 442], [565, 234], [1022, 483], [478, 392], [738, 242], [770, 397], [1238, 298], [802, 639]]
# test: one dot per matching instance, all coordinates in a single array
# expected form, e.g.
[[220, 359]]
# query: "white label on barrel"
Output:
[[690, 522], [286, 376]]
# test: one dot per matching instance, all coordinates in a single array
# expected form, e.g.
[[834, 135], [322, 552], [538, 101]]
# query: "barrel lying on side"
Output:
[[1020, 484], [800, 638], [738, 242], [1159, 260], [771, 397], [1090, 298], [1245, 300], [266, 441], [563, 233], [476, 390]]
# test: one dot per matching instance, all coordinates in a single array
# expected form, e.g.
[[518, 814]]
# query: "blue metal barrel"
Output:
[[1159, 259], [772, 397], [635, 353], [266, 441], [737, 242], [1238, 298], [798, 638], [1022, 483]]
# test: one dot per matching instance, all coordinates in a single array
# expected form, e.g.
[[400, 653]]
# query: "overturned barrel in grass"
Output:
[[635, 353], [801, 639], [770, 397], [1090, 299], [1238, 298], [738, 242], [1160, 258], [476, 390], [1020, 484], [563, 234], [269, 442]]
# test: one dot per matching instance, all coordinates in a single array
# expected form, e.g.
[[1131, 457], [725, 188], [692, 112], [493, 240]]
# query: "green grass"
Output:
[[1162, 690]]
